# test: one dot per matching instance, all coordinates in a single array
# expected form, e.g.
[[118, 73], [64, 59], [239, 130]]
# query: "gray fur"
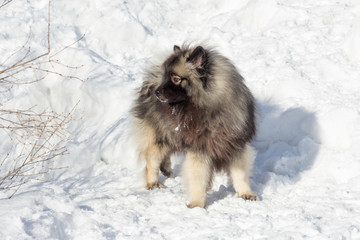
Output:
[[197, 102]]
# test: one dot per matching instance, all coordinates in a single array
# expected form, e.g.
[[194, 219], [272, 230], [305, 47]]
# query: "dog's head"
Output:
[[184, 74]]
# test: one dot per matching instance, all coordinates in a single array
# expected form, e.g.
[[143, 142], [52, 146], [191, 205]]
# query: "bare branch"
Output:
[[16, 52], [68, 46], [5, 2], [52, 135], [36, 139], [8, 72]]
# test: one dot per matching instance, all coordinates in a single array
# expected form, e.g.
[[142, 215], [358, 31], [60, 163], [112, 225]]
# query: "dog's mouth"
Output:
[[161, 98], [176, 103], [172, 103]]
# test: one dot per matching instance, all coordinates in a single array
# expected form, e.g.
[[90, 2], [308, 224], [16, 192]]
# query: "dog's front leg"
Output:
[[154, 156], [197, 171]]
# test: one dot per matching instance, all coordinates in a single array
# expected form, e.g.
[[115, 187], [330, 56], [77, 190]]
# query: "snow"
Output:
[[301, 60]]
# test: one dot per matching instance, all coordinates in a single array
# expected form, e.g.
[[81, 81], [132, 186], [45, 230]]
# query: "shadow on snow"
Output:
[[287, 143]]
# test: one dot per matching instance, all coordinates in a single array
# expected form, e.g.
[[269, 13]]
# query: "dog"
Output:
[[196, 103]]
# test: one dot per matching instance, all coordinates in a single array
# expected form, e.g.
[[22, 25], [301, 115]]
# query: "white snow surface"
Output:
[[301, 60]]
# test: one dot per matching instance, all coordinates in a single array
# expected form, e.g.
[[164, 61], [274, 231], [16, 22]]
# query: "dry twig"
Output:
[[40, 138], [37, 139], [14, 64], [5, 2]]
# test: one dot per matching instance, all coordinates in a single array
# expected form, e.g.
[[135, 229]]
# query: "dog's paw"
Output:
[[151, 186], [195, 204], [249, 196]]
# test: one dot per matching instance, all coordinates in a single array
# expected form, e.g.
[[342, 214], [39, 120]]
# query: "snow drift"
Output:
[[300, 60]]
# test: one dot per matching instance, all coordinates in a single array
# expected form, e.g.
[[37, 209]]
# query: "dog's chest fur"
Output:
[[196, 129]]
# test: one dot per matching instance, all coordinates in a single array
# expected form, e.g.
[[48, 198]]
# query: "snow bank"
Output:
[[301, 61]]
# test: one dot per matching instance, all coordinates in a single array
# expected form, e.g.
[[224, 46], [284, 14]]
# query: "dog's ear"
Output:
[[198, 57], [176, 48]]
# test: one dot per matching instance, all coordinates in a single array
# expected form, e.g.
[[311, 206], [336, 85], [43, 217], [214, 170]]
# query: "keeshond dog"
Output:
[[196, 103]]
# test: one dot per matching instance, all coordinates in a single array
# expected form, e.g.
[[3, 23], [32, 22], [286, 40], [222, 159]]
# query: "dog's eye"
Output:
[[176, 79]]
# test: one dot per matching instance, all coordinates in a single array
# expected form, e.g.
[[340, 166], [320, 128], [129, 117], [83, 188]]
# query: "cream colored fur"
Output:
[[197, 171], [239, 171]]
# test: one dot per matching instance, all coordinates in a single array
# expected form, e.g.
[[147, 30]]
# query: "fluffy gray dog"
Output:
[[196, 103]]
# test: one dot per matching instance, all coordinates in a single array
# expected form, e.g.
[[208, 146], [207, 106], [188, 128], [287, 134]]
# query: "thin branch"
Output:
[[17, 51], [36, 138], [23, 63], [48, 36], [5, 2], [68, 46], [57, 73]]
